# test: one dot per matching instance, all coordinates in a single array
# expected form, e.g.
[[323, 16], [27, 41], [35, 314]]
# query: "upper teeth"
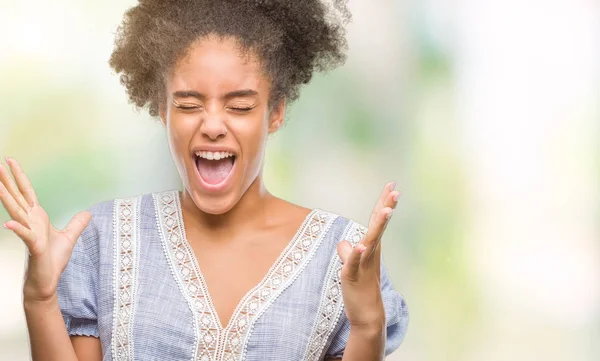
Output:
[[213, 155]]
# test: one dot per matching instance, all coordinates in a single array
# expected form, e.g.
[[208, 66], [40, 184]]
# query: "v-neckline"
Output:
[[265, 279], [212, 340]]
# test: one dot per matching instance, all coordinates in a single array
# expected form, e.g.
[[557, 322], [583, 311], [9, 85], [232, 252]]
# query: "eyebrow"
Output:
[[233, 94]]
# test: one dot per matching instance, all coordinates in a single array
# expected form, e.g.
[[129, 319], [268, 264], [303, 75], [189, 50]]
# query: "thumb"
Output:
[[344, 249], [77, 225], [350, 258]]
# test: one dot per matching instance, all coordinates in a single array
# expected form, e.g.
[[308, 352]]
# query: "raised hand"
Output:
[[49, 248], [361, 274]]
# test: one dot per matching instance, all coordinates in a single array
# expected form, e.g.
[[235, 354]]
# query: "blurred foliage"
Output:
[[389, 114]]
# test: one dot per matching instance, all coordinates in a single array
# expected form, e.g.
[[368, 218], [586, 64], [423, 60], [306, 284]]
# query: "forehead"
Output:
[[216, 64]]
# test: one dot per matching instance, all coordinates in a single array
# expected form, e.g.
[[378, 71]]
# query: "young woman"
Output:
[[222, 270]]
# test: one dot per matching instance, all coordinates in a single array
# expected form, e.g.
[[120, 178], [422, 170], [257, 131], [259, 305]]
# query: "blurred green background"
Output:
[[485, 113]]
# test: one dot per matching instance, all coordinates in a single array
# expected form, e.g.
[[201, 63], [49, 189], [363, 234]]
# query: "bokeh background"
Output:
[[486, 113]]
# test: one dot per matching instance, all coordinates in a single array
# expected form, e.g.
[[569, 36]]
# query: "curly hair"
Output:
[[292, 39]]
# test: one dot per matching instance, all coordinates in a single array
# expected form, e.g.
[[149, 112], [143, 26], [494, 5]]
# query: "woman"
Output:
[[223, 270]]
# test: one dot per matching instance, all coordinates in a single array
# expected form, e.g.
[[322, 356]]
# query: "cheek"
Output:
[[180, 131], [252, 136]]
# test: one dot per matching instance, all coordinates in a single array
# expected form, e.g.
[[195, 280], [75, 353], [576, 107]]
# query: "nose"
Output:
[[213, 126]]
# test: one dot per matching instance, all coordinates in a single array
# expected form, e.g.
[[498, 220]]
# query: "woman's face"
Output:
[[217, 119]]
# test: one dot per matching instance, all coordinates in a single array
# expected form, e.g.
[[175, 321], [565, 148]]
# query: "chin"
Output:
[[217, 198], [215, 204]]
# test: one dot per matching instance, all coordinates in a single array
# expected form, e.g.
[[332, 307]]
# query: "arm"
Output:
[[350, 338], [49, 338], [47, 332], [366, 344], [87, 348], [49, 252], [370, 306], [358, 339]]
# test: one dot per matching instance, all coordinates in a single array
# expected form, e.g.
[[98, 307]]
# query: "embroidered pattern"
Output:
[[229, 344], [187, 274], [280, 276], [125, 225], [331, 303]]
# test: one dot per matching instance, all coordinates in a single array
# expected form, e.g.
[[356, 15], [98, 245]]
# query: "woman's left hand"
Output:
[[360, 275]]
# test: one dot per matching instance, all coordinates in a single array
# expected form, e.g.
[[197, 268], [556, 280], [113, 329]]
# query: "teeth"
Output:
[[213, 155]]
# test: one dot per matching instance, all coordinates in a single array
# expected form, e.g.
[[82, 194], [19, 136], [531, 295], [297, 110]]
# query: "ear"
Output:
[[277, 116]]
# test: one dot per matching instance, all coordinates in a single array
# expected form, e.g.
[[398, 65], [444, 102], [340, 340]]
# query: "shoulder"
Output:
[[104, 211], [342, 228], [106, 214]]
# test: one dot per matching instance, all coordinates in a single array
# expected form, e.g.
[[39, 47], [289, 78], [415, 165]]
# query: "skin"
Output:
[[239, 223]]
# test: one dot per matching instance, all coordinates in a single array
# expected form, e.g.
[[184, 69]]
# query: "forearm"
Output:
[[366, 344], [47, 332]]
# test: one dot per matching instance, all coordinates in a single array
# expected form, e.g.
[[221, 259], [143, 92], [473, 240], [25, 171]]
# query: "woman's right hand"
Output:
[[49, 249]]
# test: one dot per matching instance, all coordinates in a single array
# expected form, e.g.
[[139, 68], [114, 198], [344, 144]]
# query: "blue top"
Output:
[[134, 282]]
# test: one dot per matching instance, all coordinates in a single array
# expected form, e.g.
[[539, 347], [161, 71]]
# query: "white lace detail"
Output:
[[125, 272], [229, 343], [331, 303], [184, 268], [287, 268]]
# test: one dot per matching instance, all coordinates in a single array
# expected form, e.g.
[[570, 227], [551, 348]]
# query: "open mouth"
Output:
[[214, 167]]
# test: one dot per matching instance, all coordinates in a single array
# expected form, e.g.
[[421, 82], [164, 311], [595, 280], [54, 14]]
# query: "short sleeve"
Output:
[[78, 284], [396, 314]]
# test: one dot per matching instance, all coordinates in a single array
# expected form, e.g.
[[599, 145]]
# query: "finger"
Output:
[[344, 248], [376, 229], [375, 252], [382, 198], [23, 232], [77, 225], [392, 199], [10, 185], [353, 263], [12, 207], [22, 181], [390, 202]]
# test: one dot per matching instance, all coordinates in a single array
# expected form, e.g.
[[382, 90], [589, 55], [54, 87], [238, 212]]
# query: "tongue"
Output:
[[214, 171]]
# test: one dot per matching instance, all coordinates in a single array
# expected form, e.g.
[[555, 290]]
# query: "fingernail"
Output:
[[392, 186], [6, 159], [361, 248], [4, 225], [389, 215], [396, 196]]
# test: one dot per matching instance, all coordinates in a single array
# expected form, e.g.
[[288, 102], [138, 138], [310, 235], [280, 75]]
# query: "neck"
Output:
[[251, 209]]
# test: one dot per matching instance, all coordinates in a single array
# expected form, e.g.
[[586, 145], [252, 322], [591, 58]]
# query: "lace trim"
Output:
[[331, 303], [229, 343], [296, 256], [186, 273], [125, 272]]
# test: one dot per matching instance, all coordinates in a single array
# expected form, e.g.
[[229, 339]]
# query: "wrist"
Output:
[[366, 342], [369, 330], [371, 319], [36, 303]]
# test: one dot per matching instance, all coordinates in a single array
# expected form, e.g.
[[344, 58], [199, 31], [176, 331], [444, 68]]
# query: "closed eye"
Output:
[[186, 106], [240, 109]]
